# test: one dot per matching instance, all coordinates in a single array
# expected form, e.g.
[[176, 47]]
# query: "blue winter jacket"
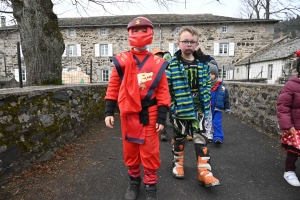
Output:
[[220, 98]]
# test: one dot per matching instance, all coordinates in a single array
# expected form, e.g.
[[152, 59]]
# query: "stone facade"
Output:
[[85, 37]]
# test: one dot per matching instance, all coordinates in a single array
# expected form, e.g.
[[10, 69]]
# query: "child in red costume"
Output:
[[139, 85]]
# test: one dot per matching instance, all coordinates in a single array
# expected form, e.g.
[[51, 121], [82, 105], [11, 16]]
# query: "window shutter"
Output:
[[97, 50], [21, 53], [65, 51], [17, 75], [78, 49], [171, 49], [231, 49], [216, 49], [110, 52]]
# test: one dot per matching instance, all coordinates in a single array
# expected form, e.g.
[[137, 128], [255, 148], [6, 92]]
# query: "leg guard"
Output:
[[205, 176], [178, 151]]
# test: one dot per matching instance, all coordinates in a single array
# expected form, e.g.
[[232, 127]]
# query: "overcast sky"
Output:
[[230, 8]]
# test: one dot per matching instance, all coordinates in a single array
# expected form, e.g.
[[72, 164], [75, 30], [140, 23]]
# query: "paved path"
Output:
[[249, 166]]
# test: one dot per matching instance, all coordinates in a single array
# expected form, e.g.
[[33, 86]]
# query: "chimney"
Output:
[[2, 21]]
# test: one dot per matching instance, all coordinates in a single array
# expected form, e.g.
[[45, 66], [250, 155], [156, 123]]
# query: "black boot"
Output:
[[151, 192], [133, 189]]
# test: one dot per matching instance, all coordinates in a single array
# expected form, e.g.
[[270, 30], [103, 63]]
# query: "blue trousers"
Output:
[[217, 124]]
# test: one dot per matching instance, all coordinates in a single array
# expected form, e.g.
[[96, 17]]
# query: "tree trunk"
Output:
[[41, 40], [267, 9]]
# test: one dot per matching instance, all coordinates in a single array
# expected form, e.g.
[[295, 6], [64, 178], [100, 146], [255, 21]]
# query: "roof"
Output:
[[283, 48], [156, 19]]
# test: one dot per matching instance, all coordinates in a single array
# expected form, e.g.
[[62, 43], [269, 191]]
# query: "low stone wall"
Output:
[[34, 121], [255, 104]]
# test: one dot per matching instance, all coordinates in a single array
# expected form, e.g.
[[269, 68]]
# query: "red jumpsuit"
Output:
[[147, 80]]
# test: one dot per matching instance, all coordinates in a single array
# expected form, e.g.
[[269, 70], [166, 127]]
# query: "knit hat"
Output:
[[213, 69]]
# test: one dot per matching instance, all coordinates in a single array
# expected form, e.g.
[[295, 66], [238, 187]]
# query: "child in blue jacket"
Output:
[[219, 102]]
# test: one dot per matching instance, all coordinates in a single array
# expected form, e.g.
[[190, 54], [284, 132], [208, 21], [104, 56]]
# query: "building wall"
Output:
[[244, 39]]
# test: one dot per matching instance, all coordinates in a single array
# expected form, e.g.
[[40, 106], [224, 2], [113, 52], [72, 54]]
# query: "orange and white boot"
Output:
[[205, 176], [178, 151]]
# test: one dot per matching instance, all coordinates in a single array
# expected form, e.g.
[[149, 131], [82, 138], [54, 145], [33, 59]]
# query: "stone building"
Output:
[[91, 41], [275, 63]]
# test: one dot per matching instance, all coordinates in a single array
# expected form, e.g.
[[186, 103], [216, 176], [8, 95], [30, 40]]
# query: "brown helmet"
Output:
[[138, 22]]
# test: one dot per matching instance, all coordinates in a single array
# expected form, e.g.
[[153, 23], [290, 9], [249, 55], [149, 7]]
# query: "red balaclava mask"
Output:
[[140, 39]]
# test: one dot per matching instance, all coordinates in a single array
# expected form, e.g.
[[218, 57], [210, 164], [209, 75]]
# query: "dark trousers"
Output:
[[290, 161]]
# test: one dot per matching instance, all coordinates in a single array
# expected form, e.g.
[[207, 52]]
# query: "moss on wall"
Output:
[[35, 122]]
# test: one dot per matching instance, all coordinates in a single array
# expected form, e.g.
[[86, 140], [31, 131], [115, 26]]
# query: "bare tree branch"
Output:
[[270, 8]]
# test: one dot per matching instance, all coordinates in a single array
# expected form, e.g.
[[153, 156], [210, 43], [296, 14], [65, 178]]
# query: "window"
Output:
[[173, 47], [237, 70], [224, 29], [23, 75], [103, 50], [71, 33], [72, 51], [103, 31], [270, 71], [222, 74], [177, 30], [105, 75], [176, 47], [223, 49]]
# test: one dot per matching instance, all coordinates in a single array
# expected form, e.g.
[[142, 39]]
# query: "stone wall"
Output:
[[34, 121], [255, 104]]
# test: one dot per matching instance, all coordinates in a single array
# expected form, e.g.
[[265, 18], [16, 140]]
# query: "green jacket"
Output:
[[181, 97]]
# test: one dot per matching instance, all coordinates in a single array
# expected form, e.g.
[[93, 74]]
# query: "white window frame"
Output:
[[270, 71], [24, 74], [76, 52], [173, 47], [224, 29], [105, 75], [222, 73], [176, 30], [71, 33], [103, 31], [99, 51], [103, 50], [219, 48], [223, 49], [72, 50]]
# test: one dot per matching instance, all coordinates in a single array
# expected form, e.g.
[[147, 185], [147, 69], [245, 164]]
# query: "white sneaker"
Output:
[[291, 178]]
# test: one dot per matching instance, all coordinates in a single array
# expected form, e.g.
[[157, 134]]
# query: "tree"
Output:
[[265, 9], [41, 39]]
